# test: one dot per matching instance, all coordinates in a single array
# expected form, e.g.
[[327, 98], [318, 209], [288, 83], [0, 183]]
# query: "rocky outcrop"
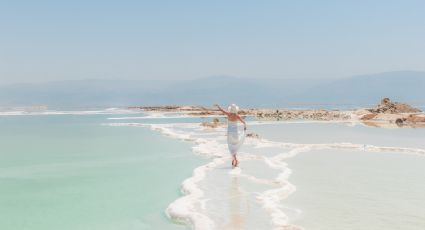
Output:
[[214, 124], [205, 113], [387, 106], [414, 118], [369, 116], [253, 135], [320, 115], [398, 114]]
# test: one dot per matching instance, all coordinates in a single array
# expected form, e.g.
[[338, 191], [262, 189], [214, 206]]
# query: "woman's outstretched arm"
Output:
[[222, 110]]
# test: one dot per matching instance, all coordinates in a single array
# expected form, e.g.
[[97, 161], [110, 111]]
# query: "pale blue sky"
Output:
[[57, 40]]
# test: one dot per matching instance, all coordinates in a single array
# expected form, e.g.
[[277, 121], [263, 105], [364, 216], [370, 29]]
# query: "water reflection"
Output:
[[238, 206]]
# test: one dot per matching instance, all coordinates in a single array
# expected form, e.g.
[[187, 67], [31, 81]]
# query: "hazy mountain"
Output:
[[404, 86]]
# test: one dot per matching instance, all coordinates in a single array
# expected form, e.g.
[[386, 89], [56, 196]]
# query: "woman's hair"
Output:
[[233, 108]]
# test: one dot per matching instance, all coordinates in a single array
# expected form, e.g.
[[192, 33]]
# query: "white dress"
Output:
[[234, 138]]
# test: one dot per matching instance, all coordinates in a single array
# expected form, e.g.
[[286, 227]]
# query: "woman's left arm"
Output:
[[222, 110]]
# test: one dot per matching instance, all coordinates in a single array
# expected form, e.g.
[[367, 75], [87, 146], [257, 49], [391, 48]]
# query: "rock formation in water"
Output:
[[253, 135], [214, 124], [387, 106], [400, 114]]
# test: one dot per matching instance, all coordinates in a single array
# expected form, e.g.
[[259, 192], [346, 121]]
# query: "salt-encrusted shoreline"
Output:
[[387, 114]]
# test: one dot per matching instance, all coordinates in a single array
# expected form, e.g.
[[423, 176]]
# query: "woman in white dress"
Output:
[[234, 139]]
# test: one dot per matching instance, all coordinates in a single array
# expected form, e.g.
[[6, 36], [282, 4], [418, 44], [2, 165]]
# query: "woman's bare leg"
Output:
[[234, 161]]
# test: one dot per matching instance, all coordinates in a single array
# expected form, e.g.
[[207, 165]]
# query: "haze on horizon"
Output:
[[52, 40]]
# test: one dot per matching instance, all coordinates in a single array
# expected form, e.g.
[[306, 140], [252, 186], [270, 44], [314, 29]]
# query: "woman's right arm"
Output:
[[222, 110]]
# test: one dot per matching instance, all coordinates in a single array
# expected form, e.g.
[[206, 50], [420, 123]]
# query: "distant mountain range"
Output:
[[405, 86]]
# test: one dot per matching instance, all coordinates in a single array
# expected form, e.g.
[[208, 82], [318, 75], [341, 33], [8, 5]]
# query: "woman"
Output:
[[233, 140]]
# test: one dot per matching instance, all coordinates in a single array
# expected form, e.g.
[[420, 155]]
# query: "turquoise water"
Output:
[[93, 172], [72, 172]]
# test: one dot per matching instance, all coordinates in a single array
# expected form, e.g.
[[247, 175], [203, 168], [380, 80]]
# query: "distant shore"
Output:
[[386, 114]]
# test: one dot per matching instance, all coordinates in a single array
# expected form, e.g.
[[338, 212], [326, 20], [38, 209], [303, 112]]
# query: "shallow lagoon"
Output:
[[78, 172], [72, 172], [339, 189]]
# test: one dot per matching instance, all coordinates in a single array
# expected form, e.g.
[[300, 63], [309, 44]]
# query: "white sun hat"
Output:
[[233, 108]]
